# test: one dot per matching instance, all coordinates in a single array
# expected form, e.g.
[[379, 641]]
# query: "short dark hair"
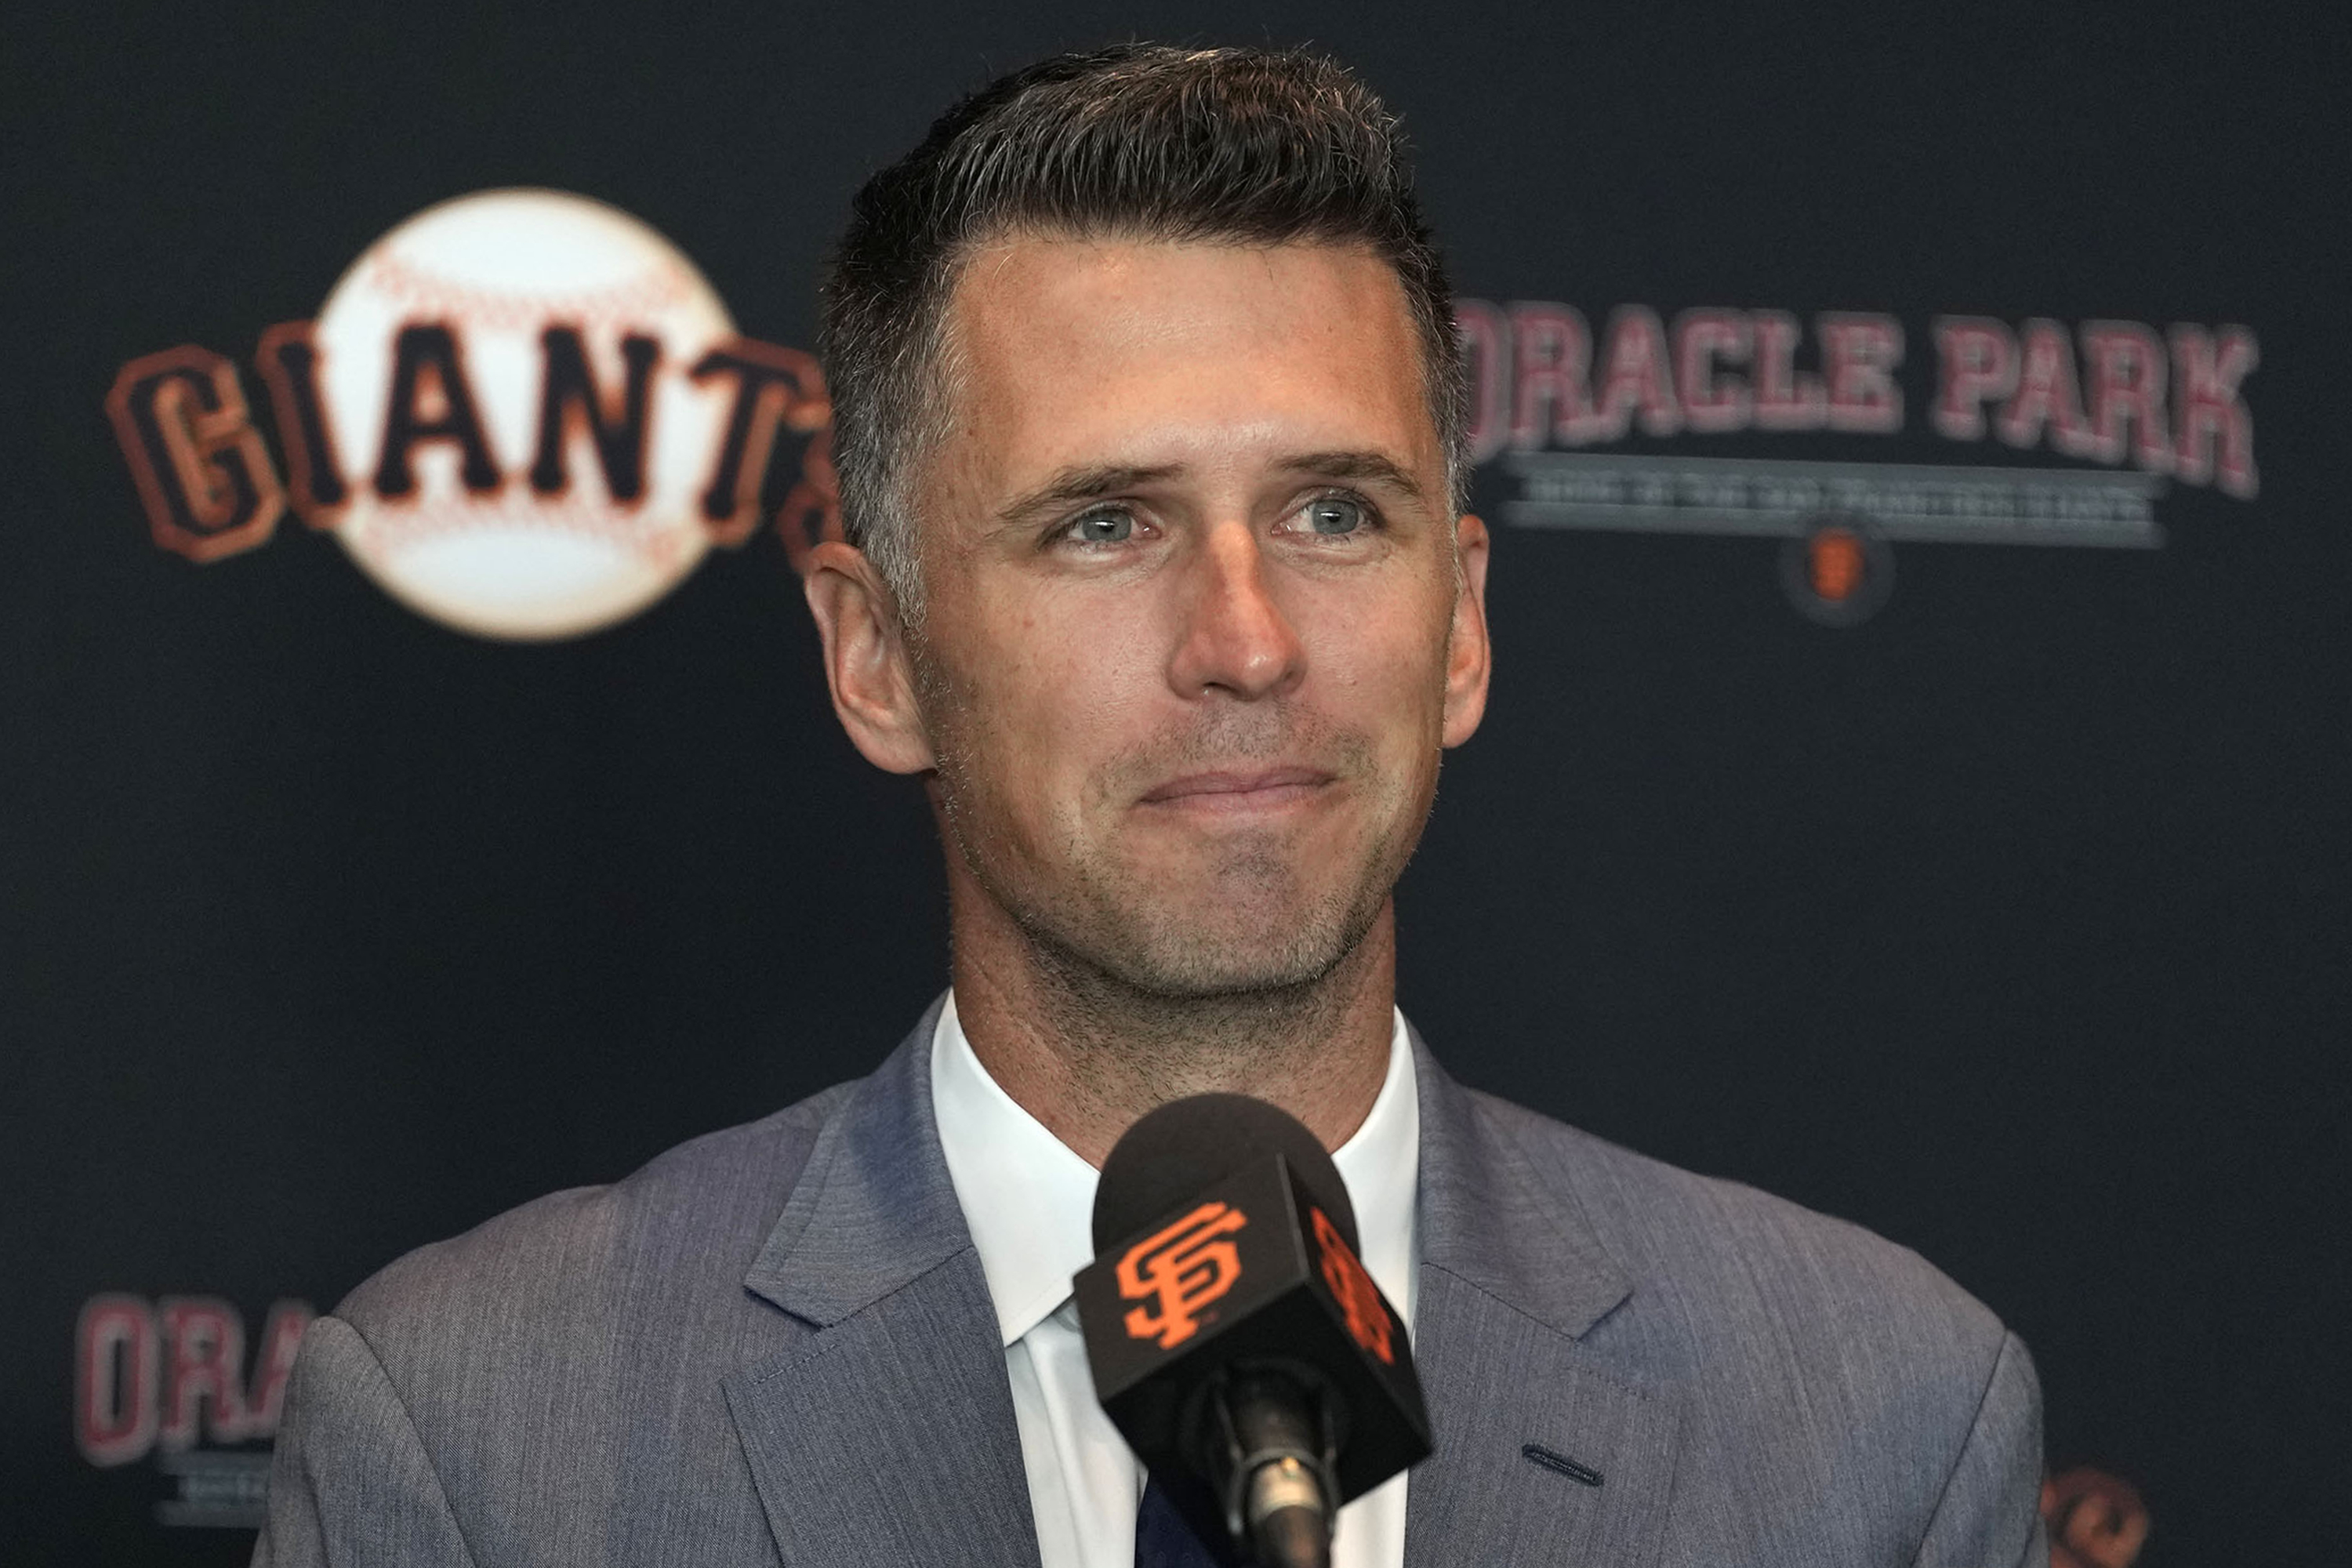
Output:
[[1255, 146]]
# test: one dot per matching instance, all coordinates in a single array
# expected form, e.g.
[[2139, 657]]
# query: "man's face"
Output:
[[1194, 630]]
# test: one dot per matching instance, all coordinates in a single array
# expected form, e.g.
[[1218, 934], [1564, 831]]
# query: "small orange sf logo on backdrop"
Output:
[[1360, 1298], [1835, 564], [1180, 1270]]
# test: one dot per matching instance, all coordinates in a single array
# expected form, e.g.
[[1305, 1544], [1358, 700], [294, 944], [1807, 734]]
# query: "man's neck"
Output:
[[1087, 1055]]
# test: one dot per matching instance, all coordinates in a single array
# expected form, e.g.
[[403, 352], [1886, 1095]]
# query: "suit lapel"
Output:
[[1544, 1453], [886, 1434]]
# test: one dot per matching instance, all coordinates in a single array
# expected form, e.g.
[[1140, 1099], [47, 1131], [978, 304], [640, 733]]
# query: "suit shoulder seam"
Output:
[[1975, 1419], [409, 1419]]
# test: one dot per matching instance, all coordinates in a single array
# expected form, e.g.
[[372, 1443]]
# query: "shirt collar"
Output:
[[1028, 1199]]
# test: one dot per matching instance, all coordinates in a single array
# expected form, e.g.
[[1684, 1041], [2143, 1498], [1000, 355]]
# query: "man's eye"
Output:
[[1334, 514], [1108, 526]]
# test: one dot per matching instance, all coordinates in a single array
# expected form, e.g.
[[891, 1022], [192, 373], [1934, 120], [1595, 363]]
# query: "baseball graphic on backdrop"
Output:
[[492, 342]]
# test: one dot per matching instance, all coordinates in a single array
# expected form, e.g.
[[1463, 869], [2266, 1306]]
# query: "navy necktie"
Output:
[[1162, 1539]]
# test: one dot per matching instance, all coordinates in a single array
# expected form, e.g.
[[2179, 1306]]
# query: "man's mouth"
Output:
[[1239, 789]]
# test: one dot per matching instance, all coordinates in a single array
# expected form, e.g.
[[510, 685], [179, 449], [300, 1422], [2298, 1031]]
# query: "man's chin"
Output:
[[1215, 957], [1208, 979]]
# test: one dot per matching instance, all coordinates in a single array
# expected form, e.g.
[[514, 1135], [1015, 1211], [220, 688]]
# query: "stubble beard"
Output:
[[1250, 956]]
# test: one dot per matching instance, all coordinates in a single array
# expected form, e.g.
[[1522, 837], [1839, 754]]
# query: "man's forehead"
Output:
[[1060, 343]]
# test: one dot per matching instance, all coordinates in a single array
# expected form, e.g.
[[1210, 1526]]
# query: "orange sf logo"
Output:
[[1180, 1270], [1835, 566], [1359, 1298]]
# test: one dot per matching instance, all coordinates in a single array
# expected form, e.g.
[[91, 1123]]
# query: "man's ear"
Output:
[[1468, 655], [866, 659]]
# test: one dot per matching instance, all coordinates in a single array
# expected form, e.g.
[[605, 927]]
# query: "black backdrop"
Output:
[[2009, 922]]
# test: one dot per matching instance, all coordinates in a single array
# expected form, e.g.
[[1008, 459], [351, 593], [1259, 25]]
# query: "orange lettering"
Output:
[[1359, 1298]]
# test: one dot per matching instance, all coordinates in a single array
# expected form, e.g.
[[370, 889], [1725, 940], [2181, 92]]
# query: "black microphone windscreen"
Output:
[[1231, 1326], [1159, 1163]]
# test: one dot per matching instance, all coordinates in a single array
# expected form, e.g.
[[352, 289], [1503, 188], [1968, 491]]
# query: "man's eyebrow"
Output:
[[1084, 482], [1092, 481], [1374, 467]]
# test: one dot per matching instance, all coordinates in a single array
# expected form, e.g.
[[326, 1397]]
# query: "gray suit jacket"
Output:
[[774, 1345]]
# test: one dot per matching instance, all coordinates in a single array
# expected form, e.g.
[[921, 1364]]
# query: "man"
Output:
[[1149, 425]]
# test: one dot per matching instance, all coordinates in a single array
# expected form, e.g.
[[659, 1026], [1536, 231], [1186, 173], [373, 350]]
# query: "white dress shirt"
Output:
[[1029, 1201]]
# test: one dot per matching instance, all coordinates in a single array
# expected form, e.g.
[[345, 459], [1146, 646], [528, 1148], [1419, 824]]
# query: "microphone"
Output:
[[1236, 1338]]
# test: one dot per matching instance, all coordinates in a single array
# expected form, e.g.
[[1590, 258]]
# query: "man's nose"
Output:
[[1233, 636]]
